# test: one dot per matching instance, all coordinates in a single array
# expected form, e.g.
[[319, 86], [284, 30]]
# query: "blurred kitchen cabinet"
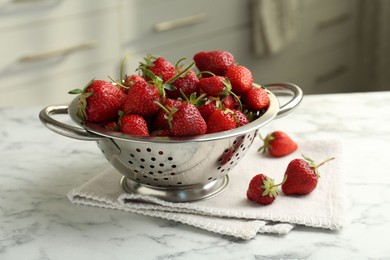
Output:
[[322, 59], [52, 46], [184, 27], [324, 56]]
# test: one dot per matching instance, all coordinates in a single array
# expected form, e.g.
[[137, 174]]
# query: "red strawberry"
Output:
[[163, 132], [159, 66], [100, 101], [217, 62], [209, 107], [112, 126], [215, 86], [240, 78], [221, 120], [187, 84], [262, 190], [141, 98], [161, 120], [187, 121], [132, 80], [231, 102], [133, 124], [256, 99], [241, 118], [301, 176], [278, 144]]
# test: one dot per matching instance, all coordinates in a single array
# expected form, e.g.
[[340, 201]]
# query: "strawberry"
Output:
[[215, 86], [160, 67], [301, 176], [231, 102], [217, 62], [221, 120], [112, 126], [133, 124], [184, 120], [187, 121], [256, 98], [163, 132], [140, 99], [187, 84], [262, 190], [209, 107], [278, 144], [100, 101], [161, 120], [132, 80], [241, 118], [240, 78]]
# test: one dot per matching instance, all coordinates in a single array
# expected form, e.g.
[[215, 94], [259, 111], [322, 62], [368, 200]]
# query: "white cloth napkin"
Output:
[[230, 213]]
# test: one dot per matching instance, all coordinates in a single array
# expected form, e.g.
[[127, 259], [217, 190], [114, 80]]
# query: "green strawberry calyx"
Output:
[[148, 61], [193, 98], [270, 188], [266, 143], [82, 106], [314, 166]]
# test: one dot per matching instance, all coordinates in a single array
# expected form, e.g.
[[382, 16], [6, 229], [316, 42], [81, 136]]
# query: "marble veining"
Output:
[[38, 168]]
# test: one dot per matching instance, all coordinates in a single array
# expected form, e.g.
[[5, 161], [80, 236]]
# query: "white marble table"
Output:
[[38, 168]]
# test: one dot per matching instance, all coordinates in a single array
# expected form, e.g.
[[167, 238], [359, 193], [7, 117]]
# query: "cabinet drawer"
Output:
[[151, 23], [332, 71], [58, 46], [19, 12], [54, 89], [324, 25], [323, 72]]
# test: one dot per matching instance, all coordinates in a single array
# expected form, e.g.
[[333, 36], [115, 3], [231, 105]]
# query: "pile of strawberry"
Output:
[[166, 99]]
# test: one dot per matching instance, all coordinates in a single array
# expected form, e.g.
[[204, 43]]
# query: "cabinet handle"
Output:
[[57, 53], [181, 22], [333, 22], [27, 1], [334, 73]]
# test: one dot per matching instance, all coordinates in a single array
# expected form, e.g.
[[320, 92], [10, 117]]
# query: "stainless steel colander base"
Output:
[[177, 194]]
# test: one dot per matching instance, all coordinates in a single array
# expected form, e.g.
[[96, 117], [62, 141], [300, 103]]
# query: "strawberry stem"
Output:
[[200, 74], [117, 82], [181, 74], [169, 111], [315, 166], [122, 68], [238, 100], [177, 65], [327, 160]]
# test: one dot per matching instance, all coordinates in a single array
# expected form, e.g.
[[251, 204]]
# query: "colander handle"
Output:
[[64, 129], [286, 89]]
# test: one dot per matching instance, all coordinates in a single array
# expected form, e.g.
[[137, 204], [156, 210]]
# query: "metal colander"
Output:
[[174, 169]]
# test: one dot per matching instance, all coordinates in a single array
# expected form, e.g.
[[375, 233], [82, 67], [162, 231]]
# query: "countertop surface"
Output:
[[38, 168]]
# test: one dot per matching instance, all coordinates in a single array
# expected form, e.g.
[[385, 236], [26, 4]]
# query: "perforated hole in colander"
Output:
[[232, 155], [149, 162]]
